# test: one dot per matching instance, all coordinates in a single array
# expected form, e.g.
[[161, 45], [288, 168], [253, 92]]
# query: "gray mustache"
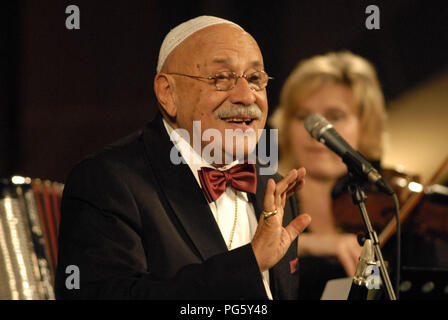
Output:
[[252, 111]]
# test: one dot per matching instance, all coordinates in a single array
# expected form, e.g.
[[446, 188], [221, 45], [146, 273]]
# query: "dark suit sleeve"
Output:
[[101, 233]]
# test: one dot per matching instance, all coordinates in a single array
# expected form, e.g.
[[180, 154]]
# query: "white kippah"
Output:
[[182, 31]]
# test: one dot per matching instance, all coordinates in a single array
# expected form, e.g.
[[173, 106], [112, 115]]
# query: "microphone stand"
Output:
[[358, 198]]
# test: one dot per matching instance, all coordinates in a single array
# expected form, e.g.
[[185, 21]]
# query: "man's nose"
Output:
[[242, 93]]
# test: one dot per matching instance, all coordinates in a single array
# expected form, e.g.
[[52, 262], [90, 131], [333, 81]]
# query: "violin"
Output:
[[418, 213]]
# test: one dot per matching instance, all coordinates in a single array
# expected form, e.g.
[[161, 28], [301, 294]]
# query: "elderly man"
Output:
[[139, 226]]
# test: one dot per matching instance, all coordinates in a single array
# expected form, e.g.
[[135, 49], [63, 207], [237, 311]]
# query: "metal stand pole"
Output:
[[359, 197]]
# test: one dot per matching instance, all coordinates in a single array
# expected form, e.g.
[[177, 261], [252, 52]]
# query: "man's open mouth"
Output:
[[237, 120]]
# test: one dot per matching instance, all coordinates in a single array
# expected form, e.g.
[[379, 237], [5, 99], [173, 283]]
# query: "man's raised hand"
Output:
[[271, 239]]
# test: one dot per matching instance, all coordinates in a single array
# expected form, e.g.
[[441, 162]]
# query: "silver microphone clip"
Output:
[[366, 259]]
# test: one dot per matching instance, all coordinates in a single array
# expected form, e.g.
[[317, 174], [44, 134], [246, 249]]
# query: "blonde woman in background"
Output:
[[344, 88]]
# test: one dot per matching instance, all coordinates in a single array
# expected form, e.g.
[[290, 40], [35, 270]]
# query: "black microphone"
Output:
[[322, 130]]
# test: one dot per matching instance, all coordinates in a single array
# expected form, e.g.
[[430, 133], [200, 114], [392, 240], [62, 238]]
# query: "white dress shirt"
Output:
[[223, 208]]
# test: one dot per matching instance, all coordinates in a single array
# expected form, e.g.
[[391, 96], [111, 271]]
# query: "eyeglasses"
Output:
[[226, 80]]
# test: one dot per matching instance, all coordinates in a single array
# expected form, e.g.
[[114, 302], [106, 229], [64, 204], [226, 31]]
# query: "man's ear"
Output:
[[163, 89]]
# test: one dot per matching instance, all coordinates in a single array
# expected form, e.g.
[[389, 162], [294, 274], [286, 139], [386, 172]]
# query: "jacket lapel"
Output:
[[183, 193]]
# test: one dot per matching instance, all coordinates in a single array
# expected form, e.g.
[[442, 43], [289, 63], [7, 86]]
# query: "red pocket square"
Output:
[[293, 265]]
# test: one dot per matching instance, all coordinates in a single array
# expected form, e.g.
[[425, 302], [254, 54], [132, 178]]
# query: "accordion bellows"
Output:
[[29, 218]]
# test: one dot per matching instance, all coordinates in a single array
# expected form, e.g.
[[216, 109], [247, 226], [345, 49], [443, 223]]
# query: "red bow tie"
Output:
[[242, 177]]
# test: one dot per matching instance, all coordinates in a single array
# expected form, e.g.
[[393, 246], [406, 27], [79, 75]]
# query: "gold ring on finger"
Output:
[[268, 214]]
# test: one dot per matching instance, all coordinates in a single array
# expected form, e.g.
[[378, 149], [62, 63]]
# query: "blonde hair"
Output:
[[335, 67]]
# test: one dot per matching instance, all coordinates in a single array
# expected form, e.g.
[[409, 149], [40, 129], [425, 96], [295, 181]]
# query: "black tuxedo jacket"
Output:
[[139, 227]]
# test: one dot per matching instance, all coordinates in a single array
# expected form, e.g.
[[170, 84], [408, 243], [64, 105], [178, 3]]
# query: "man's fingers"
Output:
[[297, 225], [274, 197], [281, 189], [301, 173], [283, 185], [269, 198], [293, 188], [277, 193], [293, 180]]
